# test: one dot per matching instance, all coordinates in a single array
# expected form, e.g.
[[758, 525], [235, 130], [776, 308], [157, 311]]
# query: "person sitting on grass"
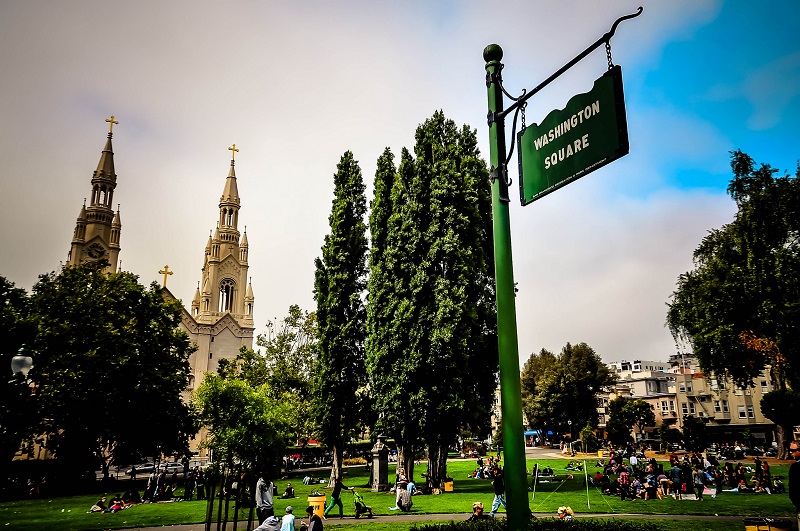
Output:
[[477, 512], [99, 506], [116, 505], [289, 492]]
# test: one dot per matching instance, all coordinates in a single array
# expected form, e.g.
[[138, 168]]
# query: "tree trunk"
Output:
[[336, 466], [405, 459], [437, 466], [781, 431]]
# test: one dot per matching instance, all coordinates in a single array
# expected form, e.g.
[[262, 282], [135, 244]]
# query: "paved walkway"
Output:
[[734, 520]]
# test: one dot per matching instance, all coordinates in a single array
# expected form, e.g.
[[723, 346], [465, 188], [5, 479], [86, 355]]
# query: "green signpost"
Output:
[[588, 133], [591, 131]]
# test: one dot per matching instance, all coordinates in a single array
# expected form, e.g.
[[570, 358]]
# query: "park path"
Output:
[[734, 520]]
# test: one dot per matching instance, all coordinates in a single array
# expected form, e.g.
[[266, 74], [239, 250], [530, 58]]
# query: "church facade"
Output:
[[220, 319]]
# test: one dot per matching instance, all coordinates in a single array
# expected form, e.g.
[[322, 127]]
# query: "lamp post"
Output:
[[569, 422], [21, 363]]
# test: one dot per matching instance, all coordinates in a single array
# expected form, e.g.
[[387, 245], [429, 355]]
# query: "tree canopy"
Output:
[[433, 348], [563, 388], [247, 424], [284, 367], [625, 413], [106, 348], [739, 308], [339, 282], [18, 410]]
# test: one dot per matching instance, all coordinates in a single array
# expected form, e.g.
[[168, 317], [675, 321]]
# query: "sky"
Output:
[[296, 84]]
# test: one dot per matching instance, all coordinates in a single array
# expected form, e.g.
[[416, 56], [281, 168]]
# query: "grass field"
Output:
[[69, 513]]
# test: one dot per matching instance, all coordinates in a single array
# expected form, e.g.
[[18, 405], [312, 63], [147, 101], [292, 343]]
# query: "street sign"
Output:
[[588, 133]]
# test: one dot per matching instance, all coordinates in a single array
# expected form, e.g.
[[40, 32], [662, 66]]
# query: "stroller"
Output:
[[360, 506]]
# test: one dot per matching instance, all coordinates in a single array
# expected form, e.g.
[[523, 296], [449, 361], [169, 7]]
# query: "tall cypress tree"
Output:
[[339, 283], [433, 348], [391, 308], [457, 322]]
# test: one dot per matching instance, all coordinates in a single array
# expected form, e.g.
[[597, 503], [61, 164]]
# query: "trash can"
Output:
[[779, 524], [448, 486], [754, 524], [317, 501], [599, 453]]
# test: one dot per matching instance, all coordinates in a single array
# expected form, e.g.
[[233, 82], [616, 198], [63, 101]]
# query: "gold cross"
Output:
[[111, 121], [165, 272], [234, 151]]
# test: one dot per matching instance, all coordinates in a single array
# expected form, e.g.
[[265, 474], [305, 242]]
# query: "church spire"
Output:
[[224, 287], [97, 233], [229, 204]]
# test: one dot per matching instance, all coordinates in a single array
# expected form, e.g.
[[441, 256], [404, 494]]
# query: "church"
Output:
[[220, 320]]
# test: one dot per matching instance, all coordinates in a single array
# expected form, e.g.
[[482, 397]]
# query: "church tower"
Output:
[[221, 318], [97, 231]]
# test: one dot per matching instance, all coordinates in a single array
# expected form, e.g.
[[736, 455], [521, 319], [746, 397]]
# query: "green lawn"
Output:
[[70, 512]]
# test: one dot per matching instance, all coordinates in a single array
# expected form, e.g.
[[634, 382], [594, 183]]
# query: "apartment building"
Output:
[[678, 388]]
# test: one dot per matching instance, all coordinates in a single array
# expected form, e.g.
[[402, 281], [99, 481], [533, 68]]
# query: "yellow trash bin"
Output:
[[599, 453], [753, 524], [448, 486], [318, 503]]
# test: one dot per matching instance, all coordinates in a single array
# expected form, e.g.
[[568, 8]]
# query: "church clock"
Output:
[[95, 251]]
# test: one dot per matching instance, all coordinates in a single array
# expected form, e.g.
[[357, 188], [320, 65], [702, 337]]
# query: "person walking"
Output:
[[499, 492], [336, 497], [794, 477], [699, 481]]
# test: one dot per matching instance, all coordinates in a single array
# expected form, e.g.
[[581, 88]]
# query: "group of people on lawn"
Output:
[[692, 474]]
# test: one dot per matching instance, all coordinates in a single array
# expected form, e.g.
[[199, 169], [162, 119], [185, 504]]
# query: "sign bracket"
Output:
[[606, 38]]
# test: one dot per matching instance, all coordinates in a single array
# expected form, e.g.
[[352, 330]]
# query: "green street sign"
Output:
[[588, 133]]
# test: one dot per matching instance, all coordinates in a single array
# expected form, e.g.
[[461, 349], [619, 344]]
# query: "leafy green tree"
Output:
[[694, 434], [389, 308], [588, 438], [626, 413], [107, 350], [668, 435], [774, 407], [284, 367], [432, 348], [739, 307], [247, 424], [563, 388], [339, 284], [18, 407], [449, 318]]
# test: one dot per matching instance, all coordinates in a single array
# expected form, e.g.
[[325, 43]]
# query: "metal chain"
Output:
[[523, 115], [608, 53]]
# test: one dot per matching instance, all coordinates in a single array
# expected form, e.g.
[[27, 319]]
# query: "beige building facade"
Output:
[[683, 390]]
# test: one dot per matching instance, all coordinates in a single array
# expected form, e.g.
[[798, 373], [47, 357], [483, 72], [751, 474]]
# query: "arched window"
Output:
[[226, 291]]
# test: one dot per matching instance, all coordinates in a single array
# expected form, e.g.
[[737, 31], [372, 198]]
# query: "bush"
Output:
[[545, 524], [354, 461]]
